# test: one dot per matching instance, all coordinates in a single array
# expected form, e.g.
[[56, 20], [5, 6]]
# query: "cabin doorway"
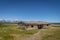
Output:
[[32, 26], [40, 26]]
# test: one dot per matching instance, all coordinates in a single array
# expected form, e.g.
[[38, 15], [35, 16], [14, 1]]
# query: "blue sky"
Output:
[[30, 10]]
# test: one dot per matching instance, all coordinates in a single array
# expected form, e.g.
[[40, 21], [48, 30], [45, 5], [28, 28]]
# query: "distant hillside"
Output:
[[55, 23]]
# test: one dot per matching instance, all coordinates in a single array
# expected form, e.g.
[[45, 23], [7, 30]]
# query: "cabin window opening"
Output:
[[32, 26], [47, 25]]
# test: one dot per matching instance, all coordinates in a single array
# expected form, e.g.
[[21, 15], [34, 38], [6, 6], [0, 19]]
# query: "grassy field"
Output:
[[56, 25], [51, 34], [10, 31]]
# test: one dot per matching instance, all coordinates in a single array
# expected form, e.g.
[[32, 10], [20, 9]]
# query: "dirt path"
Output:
[[32, 37], [35, 36]]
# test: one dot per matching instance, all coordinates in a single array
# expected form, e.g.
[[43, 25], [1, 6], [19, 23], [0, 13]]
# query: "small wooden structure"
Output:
[[33, 25]]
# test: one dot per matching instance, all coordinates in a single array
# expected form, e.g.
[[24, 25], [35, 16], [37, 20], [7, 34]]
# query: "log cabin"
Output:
[[33, 25]]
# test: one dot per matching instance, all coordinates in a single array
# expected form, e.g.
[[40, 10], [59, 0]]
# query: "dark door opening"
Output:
[[47, 24], [32, 26], [40, 26]]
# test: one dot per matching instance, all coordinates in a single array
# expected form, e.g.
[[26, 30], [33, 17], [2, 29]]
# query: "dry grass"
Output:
[[11, 31], [51, 34]]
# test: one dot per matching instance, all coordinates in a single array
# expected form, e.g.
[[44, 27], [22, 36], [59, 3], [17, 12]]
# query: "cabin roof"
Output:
[[34, 22]]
